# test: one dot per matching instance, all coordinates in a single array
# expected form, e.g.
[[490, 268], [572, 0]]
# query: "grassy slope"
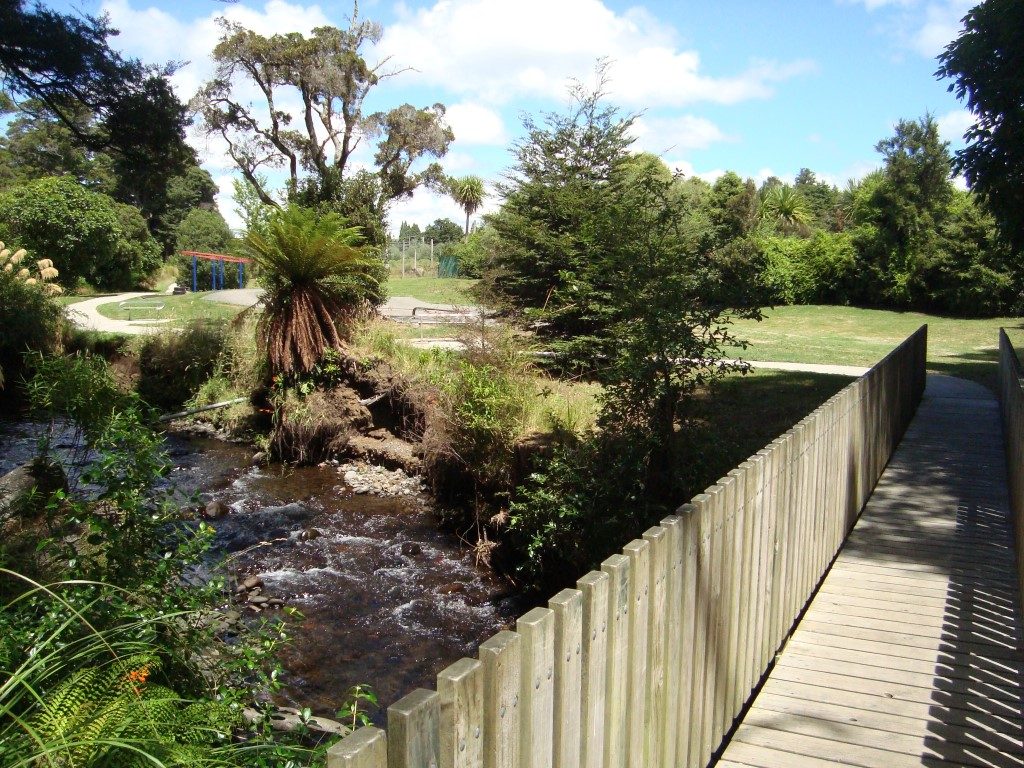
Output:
[[435, 290], [851, 336]]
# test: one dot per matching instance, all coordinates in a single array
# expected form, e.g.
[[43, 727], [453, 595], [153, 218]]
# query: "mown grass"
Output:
[[968, 348], [177, 309], [435, 290], [740, 415]]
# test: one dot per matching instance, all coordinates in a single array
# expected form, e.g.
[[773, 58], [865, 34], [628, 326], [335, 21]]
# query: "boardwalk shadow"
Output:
[[960, 529]]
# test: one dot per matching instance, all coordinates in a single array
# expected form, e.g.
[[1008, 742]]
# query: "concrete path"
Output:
[[398, 307], [85, 315], [911, 653]]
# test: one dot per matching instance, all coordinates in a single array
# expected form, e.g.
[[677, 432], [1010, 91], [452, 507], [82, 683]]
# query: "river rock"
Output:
[[252, 582], [453, 587], [215, 510], [275, 602], [411, 549], [366, 478], [259, 457], [258, 599], [28, 487]]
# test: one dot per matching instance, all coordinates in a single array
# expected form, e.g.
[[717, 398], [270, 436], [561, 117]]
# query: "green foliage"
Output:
[[87, 235], [468, 192], [549, 266], [985, 62], [174, 365], [785, 208], [317, 279], [819, 270], [30, 321], [476, 253], [443, 231]]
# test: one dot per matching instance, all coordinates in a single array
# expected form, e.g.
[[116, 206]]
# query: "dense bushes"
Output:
[[30, 321], [87, 235], [818, 270], [174, 366]]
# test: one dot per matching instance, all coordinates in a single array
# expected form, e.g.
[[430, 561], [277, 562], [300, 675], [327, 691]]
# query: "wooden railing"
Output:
[[647, 663], [1011, 402]]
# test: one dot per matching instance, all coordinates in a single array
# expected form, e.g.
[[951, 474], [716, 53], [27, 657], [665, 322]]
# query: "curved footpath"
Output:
[[85, 314]]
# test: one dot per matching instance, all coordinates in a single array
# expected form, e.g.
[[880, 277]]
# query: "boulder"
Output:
[[25, 490]]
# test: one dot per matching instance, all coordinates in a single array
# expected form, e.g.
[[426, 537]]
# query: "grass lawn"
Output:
[[178, 309], [434, 290], [741, 415], [66, 299], [851, 336]]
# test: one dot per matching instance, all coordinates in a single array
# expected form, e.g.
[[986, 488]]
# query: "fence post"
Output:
[[413, 731], [537, 688], [616, 692], [460, 688], [595, 589], [500, 656], [568, 609], [364, 748]]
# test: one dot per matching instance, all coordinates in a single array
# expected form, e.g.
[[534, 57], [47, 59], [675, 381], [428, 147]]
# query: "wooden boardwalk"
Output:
[[910, 653]]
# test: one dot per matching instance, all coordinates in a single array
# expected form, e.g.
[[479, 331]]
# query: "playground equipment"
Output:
[[218, 261]]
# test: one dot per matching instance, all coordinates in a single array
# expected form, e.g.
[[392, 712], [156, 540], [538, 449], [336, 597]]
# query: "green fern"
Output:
[[101, 715]]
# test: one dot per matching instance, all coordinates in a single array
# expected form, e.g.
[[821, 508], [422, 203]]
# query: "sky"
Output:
[[760, 88]]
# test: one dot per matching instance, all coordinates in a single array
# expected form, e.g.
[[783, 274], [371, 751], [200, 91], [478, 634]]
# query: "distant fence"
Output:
[[1011, 402], [647, 663]]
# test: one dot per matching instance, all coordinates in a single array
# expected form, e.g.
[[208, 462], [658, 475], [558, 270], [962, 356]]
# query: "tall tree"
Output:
[[62, 65], [328, 75], [468, 192], [986, 63]]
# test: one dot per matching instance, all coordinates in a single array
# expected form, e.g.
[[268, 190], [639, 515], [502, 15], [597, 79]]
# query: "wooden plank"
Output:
[[958, 730], [732, 543], [536, 688], [461, 717], [413, 730], [567, 606], [689, 542], [500, 656], [715, 645], [594, 587], [702, 523], [637, 743], [617, 659], [656, 705], [366, 747], [673, 642]]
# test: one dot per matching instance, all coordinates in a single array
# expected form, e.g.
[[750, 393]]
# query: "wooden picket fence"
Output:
[[649, 660], [1011, 402]]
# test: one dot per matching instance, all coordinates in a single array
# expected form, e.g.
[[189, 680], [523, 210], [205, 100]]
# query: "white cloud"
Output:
[[157, 37], [668, 134], [492, 49], [226, 201], [425, 206], [872, 5], [476, 124], [940, 26], [953, 124]]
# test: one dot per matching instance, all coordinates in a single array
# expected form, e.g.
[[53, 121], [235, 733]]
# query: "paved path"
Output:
[[395, 306], [85, 315], [910, 653]]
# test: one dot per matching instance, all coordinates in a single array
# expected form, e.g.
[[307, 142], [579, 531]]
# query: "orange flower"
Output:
[[138, 676]]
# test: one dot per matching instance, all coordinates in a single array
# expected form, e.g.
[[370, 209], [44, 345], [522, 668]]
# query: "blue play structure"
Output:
[[217, 263]]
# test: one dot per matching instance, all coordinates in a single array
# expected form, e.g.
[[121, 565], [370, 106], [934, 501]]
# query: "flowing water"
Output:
[[388, 599]]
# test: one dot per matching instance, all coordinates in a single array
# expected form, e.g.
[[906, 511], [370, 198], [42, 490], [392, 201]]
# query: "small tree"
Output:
[[469, 193], [317, 279]]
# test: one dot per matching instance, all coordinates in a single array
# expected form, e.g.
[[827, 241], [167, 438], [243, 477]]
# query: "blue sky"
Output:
[[757, 87]]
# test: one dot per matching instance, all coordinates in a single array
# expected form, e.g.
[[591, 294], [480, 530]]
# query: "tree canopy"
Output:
[[62, 65], [331, 79], [986, 63]]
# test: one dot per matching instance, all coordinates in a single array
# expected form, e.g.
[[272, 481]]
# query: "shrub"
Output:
[[86, 234], [30, 319], [174, 366], [819, 270]]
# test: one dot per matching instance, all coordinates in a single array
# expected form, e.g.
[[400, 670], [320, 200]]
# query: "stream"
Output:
[[388, 599]]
